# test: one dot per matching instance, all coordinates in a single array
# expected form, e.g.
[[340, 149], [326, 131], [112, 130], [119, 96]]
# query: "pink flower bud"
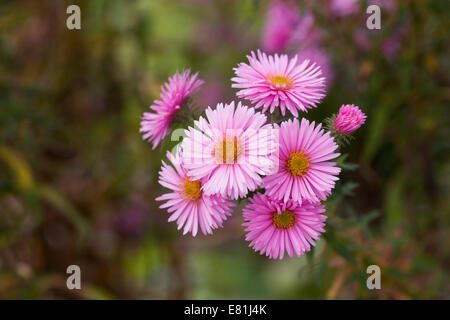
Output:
[[349, 119]]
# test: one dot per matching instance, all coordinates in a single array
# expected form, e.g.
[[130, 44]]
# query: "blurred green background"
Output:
[[77, 183]]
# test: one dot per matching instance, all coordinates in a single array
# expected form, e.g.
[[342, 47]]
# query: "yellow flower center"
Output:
[[280, 81], [297, 164], [227, 150], [192, 189], [284, 220]]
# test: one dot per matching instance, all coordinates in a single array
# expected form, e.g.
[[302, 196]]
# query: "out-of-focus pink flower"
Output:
[[212, 91], [391, 47], [305, 172], [274, 227], [306, 34], [155, 126], [343, 8], [277, 81], [389, 5], [393, 44], [349, 119], [131, 220], [187, 203], [362, 39], [282, 18], [321, 58], [231, 148]]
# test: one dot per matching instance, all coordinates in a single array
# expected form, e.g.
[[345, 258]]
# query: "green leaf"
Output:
[[57, 200]]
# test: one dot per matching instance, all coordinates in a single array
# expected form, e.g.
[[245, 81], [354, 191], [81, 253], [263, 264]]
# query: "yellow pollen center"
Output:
[[284, 220], [227, 150], [297, 164], [192, 189], [281, 81]]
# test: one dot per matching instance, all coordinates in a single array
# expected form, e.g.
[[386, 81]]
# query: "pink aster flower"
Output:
[[187, 203], [274, 227], [155, 126], [282, 18], [305, 172], [232, 147], [272, 81], [349, 119]]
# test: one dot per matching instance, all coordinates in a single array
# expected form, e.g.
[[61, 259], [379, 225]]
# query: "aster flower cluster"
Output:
[[284, 168]]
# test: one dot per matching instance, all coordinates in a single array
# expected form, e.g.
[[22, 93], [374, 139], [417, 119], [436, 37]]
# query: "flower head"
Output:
[[272, 81], [155, 126], [282, 18], [187, 203], [274, 227], [349, 119], [305, 172], [232, 147]]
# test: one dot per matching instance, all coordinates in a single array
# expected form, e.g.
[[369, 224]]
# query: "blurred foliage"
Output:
[[77, 183]]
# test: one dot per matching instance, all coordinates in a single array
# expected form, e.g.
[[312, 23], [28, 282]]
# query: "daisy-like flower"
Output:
[[232, 147], [305, 172], [277, 81], [187, 203], [349, 119], [282, 19], [155, 125], [274, 227]]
